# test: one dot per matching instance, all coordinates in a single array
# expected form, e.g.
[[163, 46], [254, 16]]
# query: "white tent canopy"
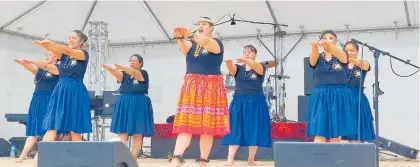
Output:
[[129, 22]]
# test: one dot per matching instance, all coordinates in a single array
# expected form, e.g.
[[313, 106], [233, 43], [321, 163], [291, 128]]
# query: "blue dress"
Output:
[[360, 106], [329, 113], [44, 85], [249, 116], [133, 112], [69, 107]]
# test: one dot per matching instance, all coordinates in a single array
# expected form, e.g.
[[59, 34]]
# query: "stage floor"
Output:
[[10, 162]]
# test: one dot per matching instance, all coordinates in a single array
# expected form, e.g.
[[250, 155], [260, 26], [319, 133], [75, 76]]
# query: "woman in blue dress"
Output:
[[360, 104], [133, 112], [69, 106], [46, 77], [329, 114], [248, 112]]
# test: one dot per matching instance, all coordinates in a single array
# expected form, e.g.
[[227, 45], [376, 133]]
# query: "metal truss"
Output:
[[99, 53]]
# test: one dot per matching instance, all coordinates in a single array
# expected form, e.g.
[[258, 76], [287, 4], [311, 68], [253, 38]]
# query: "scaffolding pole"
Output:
[[99, 53]]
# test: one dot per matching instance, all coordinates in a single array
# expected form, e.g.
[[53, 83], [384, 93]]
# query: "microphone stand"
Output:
[[377, 92], [276, 32], [283, 87]]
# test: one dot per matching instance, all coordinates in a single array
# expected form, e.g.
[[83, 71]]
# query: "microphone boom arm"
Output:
[[253, 22], [373, 49]]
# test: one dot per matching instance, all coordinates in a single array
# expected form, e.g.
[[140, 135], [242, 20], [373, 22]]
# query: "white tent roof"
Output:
[[130, 21]]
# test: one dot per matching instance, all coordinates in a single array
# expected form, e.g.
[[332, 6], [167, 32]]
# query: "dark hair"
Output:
[[139, 58], [355, 45], [328, 32], [82, 36], [252, 48]]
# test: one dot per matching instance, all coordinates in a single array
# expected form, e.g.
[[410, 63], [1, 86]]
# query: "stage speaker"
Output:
[[19, 143], [308, 79], [86, 154], [304, 154], [4, 148], [303, 103], [110, 98]]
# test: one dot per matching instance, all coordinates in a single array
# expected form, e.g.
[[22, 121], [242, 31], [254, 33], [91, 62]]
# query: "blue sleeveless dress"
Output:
[[360, 106], [69, 107], [133, 112], [249, 117], [329, 113], [45, 83]]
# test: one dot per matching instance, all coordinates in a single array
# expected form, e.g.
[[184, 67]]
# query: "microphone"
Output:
[[232, 20], [371, 48]]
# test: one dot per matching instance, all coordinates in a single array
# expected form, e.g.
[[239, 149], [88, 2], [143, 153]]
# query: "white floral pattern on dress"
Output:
[[357, 73], [48, 75], [73, 62], [337, 66], [204, 51]]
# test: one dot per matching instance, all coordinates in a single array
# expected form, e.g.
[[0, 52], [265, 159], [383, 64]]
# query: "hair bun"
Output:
[[81, 35]]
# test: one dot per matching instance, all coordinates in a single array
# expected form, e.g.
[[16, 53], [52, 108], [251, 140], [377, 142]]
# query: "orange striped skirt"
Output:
[[202, 106]]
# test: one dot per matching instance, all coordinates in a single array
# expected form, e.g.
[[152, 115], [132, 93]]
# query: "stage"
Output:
[[10, 162], [164, 142]]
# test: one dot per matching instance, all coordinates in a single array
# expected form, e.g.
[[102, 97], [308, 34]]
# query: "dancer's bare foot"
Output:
[[35, 163], [202, 164], [21, 159], [251, 163], [229, 163], [177, 161]]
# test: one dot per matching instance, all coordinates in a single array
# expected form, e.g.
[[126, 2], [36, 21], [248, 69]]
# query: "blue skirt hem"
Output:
[[250, 123], [363, 119], [36, 113], [133, 114], [329, 113], [69, 107]]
